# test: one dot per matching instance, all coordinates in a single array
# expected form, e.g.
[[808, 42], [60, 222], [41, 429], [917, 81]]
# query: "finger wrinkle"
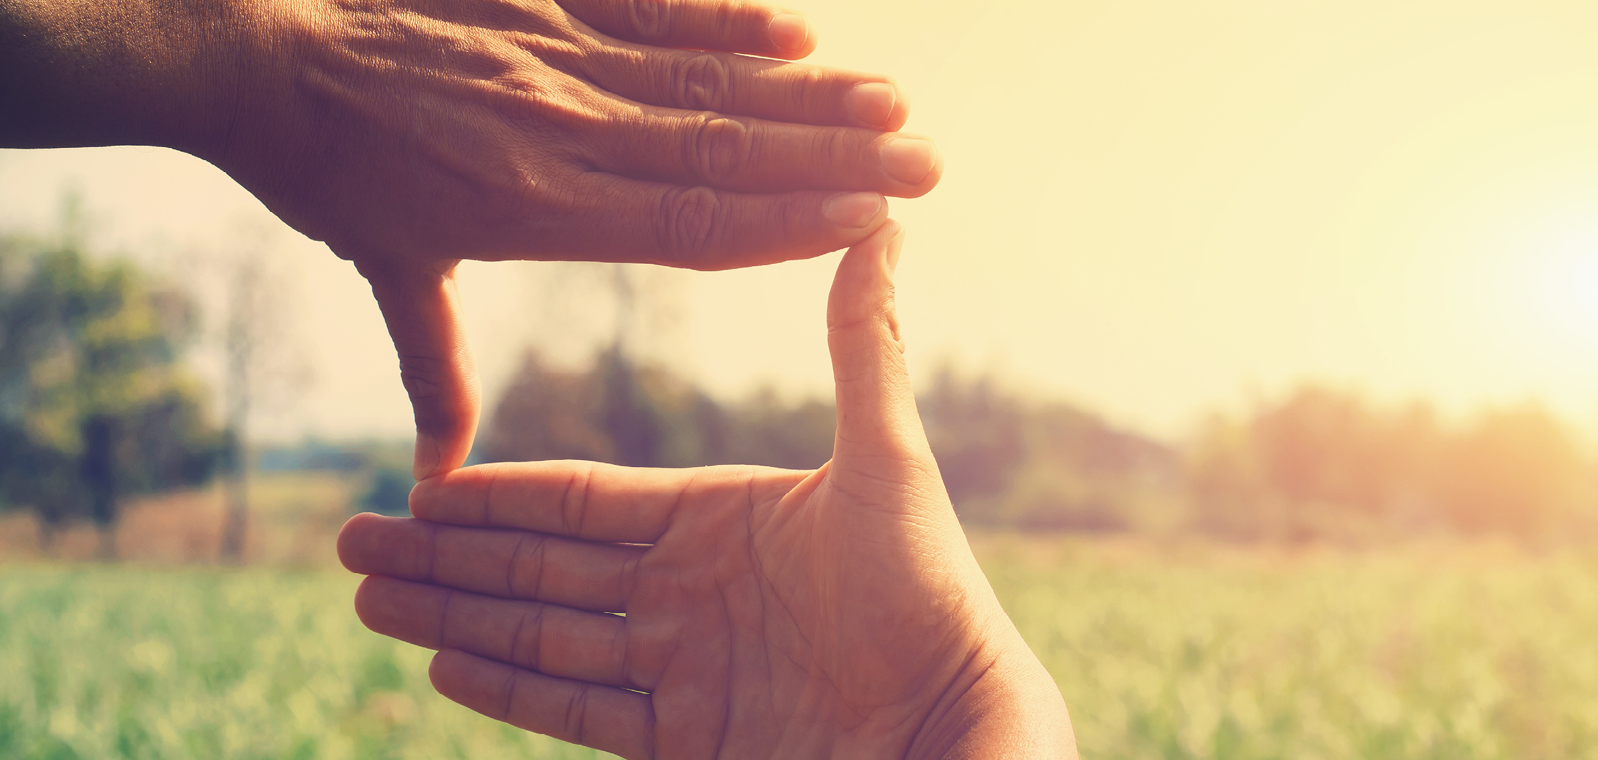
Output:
[[577, 713], [485, 513], [443, 617], [574, 501], [512, 564], [431, 552], [512, 679], [529, 634]]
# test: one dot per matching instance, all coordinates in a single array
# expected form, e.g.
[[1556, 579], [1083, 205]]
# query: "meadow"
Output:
[[1164, 651]]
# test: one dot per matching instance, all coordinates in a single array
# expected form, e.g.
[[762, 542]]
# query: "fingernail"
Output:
[[788, 32], [871, 104], [909, 159], [425, 459], [852, 209]]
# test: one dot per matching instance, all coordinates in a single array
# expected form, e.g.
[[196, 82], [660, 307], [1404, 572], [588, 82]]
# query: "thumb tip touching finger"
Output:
[[863, 285]]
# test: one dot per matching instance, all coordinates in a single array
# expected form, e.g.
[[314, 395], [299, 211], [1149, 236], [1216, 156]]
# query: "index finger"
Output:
[[735, 26], [587, 500]]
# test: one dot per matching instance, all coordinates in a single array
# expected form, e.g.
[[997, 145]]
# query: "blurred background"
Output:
[[1257, 342]]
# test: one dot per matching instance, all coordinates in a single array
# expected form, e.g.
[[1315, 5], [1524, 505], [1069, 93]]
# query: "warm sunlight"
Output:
[[1563, 300], [1573, 288]]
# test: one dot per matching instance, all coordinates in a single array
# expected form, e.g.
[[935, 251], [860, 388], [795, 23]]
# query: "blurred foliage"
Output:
[[388, 492], [1012, 461], [1006, 460], [1323, 462], [1318, 463], [645, 416], [94, 405]]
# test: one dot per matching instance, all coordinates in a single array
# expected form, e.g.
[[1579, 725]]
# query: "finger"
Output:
[[735, 26], [509, 564], [604, 718], [553, 640], [422, 310], [751, 155], [587, 500], [743, 86], [703, 228], [876, 406]]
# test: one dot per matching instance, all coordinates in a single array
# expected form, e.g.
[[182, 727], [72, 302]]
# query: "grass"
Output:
[[1416, 652], [115, 662], [1163, 653]]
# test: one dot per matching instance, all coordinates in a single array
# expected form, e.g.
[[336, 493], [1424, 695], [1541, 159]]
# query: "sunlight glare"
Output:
[[1571, 287]]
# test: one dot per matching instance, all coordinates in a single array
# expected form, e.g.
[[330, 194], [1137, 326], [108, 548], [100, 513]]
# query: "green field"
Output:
[[1162, 653]]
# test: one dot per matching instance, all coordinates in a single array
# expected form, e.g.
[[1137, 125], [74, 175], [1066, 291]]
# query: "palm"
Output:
[[775, 594]]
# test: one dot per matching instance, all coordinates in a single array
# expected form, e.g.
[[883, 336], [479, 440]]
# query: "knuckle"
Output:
[[834, 147], [690, 222], [648, 19], [811, 89], [702, 83], [719, 148]]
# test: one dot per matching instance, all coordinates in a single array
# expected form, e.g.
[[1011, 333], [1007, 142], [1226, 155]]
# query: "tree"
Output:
[[259, 366], [93, 404]]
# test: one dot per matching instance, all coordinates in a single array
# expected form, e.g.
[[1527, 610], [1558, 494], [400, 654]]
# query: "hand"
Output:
[[410, 134], [768, 613]]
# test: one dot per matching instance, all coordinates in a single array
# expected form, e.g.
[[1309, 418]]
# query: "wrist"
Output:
[[1009, 708], [80, 73]]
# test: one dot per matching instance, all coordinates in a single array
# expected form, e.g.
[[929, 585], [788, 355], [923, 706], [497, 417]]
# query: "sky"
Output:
[[1151, 209]]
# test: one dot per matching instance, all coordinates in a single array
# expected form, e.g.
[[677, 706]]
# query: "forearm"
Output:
[[118, 72]]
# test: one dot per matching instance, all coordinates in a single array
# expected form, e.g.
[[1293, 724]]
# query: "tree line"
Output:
[[97, 404], [1318, 462]]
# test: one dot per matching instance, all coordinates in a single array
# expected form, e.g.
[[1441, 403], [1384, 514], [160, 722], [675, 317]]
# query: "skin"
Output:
[[768, 613], [411, 134]]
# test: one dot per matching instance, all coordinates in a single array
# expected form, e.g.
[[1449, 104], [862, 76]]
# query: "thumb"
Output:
[[876, 406], [422, 310]]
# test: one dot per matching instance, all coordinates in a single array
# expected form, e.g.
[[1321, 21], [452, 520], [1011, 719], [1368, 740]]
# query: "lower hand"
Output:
[[768, 613]]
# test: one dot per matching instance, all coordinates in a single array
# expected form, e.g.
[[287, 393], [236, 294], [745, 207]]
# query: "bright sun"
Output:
[[1569, 287]]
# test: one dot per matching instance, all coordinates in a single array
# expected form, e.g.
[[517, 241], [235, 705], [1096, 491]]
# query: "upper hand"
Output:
[[768, 613], [409, 134]]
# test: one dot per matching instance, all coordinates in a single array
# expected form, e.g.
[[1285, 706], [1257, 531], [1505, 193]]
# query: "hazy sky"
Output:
[[1152, 208]]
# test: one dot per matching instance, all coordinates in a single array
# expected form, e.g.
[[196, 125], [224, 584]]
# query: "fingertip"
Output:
[[422, 497], [912, 161], [791, 35], [446, 672], [436, 671], [855, 210], [867, 267], [366, 603], [901, 109], [349, 539]]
